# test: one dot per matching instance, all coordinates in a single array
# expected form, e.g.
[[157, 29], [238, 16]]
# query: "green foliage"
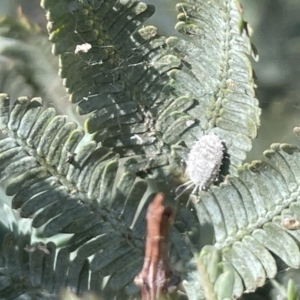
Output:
[[23, 52], [148, 99], [147, 92]]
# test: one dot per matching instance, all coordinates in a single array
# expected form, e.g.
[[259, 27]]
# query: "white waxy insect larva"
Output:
[[204, 160], [203, 163]]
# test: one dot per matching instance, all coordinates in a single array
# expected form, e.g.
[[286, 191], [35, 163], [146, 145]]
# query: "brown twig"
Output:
[[153, 279]]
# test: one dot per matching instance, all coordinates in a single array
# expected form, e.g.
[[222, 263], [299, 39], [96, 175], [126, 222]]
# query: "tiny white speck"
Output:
[[137, 137], [83, 48], [189, 122]]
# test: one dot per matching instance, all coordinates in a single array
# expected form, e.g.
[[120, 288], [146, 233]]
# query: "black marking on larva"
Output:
[[204, 160]]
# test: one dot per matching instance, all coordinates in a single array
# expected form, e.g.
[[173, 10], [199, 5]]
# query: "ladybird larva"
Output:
[[204, 160], [203, 163]]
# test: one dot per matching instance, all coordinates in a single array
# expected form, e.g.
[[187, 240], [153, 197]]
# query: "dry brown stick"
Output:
[[153, 277]]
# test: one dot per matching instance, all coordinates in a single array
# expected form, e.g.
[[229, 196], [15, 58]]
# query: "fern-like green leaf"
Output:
[[71, 196], [254, 216], [147, 93], [219, 76], [66, 188], [39, 271], [25, 54]]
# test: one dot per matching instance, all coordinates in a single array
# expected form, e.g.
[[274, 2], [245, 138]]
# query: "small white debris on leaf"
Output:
[[204, 160], [70, 157], [189, 123], [30, 248], [83, 48], [290, 223], [39, 246]]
